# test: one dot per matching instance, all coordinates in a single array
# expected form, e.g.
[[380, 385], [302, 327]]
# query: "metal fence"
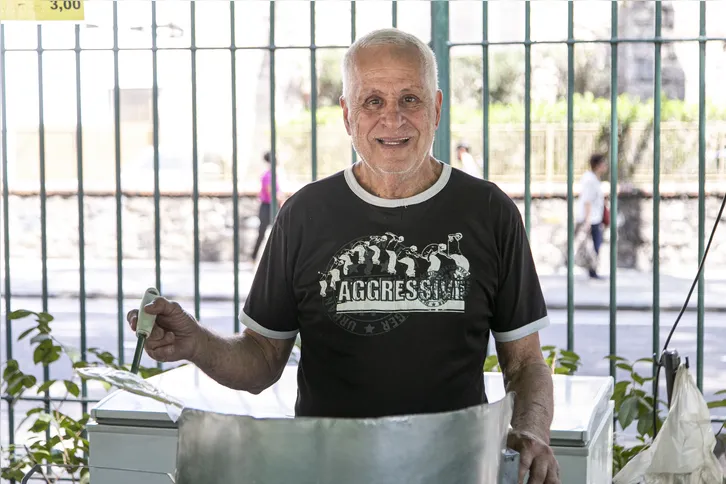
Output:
[[441, 44]]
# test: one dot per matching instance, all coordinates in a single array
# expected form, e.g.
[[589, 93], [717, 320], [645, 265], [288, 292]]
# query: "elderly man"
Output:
[[394, 272]]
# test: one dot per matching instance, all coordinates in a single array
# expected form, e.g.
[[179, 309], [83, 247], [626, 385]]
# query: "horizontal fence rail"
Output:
[[550, 152]]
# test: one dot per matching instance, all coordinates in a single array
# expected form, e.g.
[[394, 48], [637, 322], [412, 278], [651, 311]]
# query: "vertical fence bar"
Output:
[[440, 45], [613, 179], [657, 86], [527, 118], [394, 14], [273, 130], [43, 196], [155, 121], [119, 210], [570, 175], [485, 88], [235, 164], [81, 211], [195, 158], [6, 230], [313, 95], [354, 155], [701, 187], [155, 114]]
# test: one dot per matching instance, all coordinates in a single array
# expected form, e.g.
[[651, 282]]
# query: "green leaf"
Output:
[[11, 366], [29, 381], [615, 358], [105, 357], [637, 378], [570, 355], [491, 363], [39, 337], [42, 423], [44, 317], [46, 352], [20, 314], [72, 388], [628, 411], [73, 354], [645, 424], [548, 348], [26, 333], [717, 404], [625, 366], [45, 386]]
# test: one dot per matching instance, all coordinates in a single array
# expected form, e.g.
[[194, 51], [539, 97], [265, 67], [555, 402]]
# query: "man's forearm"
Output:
[[534, 401], [240, 362]]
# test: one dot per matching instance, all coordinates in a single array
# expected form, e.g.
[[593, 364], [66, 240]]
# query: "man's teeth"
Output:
[[393, 142]]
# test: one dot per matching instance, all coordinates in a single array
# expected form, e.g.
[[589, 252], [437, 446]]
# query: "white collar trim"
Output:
[[397, 202]]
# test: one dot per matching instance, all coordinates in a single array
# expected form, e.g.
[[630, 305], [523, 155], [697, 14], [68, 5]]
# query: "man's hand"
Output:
[[528, 376], [535, 457], [176, 333]]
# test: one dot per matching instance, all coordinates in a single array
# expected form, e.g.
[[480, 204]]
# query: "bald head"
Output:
[[400, 43]]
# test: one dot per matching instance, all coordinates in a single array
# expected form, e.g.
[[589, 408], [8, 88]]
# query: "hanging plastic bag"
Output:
[[682, 452]]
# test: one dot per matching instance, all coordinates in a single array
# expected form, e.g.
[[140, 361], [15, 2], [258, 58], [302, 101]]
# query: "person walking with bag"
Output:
[[592, 213]]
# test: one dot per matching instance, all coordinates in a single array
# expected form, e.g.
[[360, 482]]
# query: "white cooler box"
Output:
[[133, 439]]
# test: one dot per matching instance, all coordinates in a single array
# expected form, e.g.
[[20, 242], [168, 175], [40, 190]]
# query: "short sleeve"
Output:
[[270, 307], [520, 308]]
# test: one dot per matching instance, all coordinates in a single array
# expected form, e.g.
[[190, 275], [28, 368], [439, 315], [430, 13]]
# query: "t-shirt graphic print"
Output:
[[371, 283]]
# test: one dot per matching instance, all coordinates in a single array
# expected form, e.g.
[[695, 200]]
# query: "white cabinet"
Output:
[[133, 439]]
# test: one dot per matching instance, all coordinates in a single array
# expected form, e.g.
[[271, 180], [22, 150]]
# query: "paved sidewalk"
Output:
[[634, 289]]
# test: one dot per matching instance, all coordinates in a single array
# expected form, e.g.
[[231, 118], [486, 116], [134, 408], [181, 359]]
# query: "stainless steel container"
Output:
[[461, 447]]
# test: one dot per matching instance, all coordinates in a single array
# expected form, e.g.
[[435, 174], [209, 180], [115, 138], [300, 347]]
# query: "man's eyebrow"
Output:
[[378, 92]]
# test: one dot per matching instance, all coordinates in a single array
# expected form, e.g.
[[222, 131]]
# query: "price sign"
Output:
[[42, 10]]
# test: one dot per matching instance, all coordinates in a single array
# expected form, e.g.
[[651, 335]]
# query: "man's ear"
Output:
[[344, 105], [439, 102]]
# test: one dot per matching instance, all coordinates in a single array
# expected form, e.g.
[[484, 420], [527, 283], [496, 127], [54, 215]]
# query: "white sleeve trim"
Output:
[[258, 328], [520, 333]]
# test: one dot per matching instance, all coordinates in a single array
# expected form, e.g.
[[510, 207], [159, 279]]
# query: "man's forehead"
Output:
[[385, 76]]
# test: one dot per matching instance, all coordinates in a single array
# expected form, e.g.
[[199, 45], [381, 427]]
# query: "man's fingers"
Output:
[[161, 305], [525, 461], [553, 475], [163, 353], [538, 471], [157, 334], [132, 317], [161, 339]]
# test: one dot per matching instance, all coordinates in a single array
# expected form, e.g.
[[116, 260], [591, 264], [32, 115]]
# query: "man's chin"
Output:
[[403, 166]]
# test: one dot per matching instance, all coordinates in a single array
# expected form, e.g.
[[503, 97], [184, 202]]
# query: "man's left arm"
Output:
[[527, 375], [520, 313]]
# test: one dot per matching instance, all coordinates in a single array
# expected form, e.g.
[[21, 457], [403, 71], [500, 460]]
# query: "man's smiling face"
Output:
[[390, 111]]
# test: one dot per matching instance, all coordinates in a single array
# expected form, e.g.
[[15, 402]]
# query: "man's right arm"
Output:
[[248, 361]]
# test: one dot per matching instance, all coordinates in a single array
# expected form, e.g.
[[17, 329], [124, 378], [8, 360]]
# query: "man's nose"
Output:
[[392, 116]]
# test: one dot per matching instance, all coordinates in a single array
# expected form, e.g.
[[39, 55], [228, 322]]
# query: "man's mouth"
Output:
[[393, 141]]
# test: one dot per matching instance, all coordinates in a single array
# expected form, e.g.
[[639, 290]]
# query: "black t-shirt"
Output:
[[394, 299]]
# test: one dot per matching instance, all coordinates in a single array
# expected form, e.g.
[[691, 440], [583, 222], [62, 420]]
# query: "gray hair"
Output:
[[398, 38]]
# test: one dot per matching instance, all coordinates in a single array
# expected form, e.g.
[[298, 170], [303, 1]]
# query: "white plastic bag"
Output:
[[682, 452]]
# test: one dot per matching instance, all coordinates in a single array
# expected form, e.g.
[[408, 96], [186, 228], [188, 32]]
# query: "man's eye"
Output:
[[410, 99], [374, 101]]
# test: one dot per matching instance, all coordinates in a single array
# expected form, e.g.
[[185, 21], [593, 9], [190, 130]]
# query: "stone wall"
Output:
[[678, 230]]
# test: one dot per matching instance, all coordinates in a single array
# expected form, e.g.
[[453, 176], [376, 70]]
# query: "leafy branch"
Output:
[[56, 439]]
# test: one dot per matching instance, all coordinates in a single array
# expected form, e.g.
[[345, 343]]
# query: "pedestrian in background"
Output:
[[592, 213], [265, 198]]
